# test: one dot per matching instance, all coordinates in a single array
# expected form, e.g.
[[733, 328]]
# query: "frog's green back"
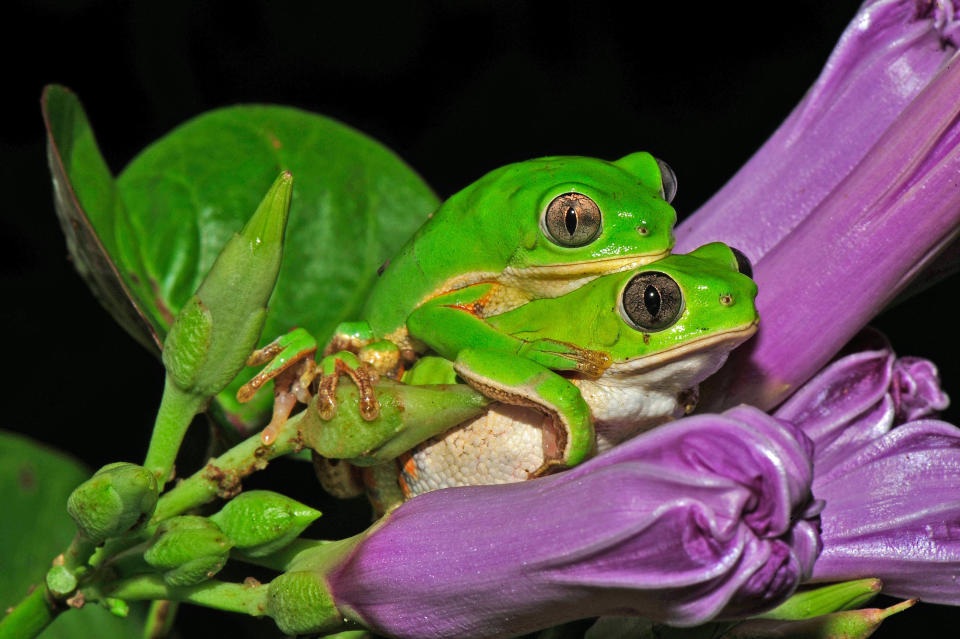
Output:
[[495, 223]]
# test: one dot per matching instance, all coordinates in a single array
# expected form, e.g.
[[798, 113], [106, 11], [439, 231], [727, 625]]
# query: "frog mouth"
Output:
[[585, 268], [722, 342]]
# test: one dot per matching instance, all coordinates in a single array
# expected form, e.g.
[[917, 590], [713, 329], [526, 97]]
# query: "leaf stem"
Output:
[[177, 410], [231, 597], [29, 617]]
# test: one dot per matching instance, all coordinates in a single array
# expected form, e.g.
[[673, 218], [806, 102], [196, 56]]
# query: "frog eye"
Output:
[[651, 301], [668, 181], [743, 262], [572, 219]]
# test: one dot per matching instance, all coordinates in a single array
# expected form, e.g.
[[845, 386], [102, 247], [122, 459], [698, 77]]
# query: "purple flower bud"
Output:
[[709, 516], [889, 52], [859, 184], [893, 512], [916, 389], [892, 494]]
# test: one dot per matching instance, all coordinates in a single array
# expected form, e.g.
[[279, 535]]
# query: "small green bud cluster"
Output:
[[261, 522], [188, 549], [115, 500]]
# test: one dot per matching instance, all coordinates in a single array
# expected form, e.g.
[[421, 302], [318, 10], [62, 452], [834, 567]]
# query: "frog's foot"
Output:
[[563, 356], [290, 386], [346, 363], [283, 353]]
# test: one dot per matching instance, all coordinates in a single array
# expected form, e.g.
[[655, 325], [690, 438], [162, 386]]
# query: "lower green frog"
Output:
[[656, 333]]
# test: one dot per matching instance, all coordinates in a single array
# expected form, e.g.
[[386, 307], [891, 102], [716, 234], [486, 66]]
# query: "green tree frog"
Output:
[[530, 230], [664, 327]]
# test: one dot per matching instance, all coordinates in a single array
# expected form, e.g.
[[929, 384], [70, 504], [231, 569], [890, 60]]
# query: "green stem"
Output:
[[283, 558], [222, 475], [77, 554], [160, 619], [221, 595], [177, 410], [29, 617]]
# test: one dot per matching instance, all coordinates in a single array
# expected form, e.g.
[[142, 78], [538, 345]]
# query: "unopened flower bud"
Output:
[[300, 603], [261, 522], [188, 549], [113, 501], [826, 599], [219, 326]]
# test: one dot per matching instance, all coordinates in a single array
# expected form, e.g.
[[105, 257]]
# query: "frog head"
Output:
[[561, 219], [665, 327]]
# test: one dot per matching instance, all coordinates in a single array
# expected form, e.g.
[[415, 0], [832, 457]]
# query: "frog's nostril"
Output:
[[642, 229]]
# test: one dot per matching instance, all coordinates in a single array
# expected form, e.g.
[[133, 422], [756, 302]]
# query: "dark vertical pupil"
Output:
[[571, 220], [651, 300]]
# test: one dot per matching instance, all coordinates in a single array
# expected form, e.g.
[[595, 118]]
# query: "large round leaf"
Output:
[[35, 483], [354, 203]]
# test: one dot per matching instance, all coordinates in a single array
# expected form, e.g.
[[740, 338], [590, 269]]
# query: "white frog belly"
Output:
[[503, 445]]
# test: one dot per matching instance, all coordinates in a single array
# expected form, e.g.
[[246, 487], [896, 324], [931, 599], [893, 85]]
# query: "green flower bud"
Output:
[[827, 599], [261, 522], [188, 549], [219, 326], [300, 603], [117, 498]]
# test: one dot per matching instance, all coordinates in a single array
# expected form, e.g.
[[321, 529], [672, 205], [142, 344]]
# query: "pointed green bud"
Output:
[[408, 415], [116, 499], [261, 522], [826, 599], [300, 603], [849, 624], [219, 326], [188, 549]]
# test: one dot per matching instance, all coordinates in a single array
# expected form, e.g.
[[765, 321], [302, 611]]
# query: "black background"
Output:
[[455, 88]]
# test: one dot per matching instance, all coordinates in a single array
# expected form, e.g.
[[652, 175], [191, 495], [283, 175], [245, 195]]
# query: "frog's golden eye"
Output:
[[572, 220], [651, 301], [668, 181]]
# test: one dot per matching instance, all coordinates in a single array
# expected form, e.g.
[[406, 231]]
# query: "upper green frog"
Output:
[[529, 230], [538, 229]]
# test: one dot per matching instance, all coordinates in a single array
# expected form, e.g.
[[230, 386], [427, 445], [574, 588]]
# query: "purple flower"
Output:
[[856, 192], [709, 516], [893, 512], [916, 389], [892, 496]]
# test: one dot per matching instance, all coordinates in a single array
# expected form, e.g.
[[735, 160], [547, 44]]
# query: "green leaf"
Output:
[[165, 219], [91, 213], [35, 483]]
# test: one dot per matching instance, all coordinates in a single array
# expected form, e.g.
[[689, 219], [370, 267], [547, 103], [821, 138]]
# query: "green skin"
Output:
[[495, 224], [493, 232], [515, 356]]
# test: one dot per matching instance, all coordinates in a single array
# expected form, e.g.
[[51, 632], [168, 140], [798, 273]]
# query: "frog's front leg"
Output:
[[513, 379], [456, 321]]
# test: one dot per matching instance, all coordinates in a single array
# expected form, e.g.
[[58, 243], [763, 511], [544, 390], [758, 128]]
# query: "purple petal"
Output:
[[708, 516], [887, 54], [855, 250], [916, 389], [893, 512], [845, 406]]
